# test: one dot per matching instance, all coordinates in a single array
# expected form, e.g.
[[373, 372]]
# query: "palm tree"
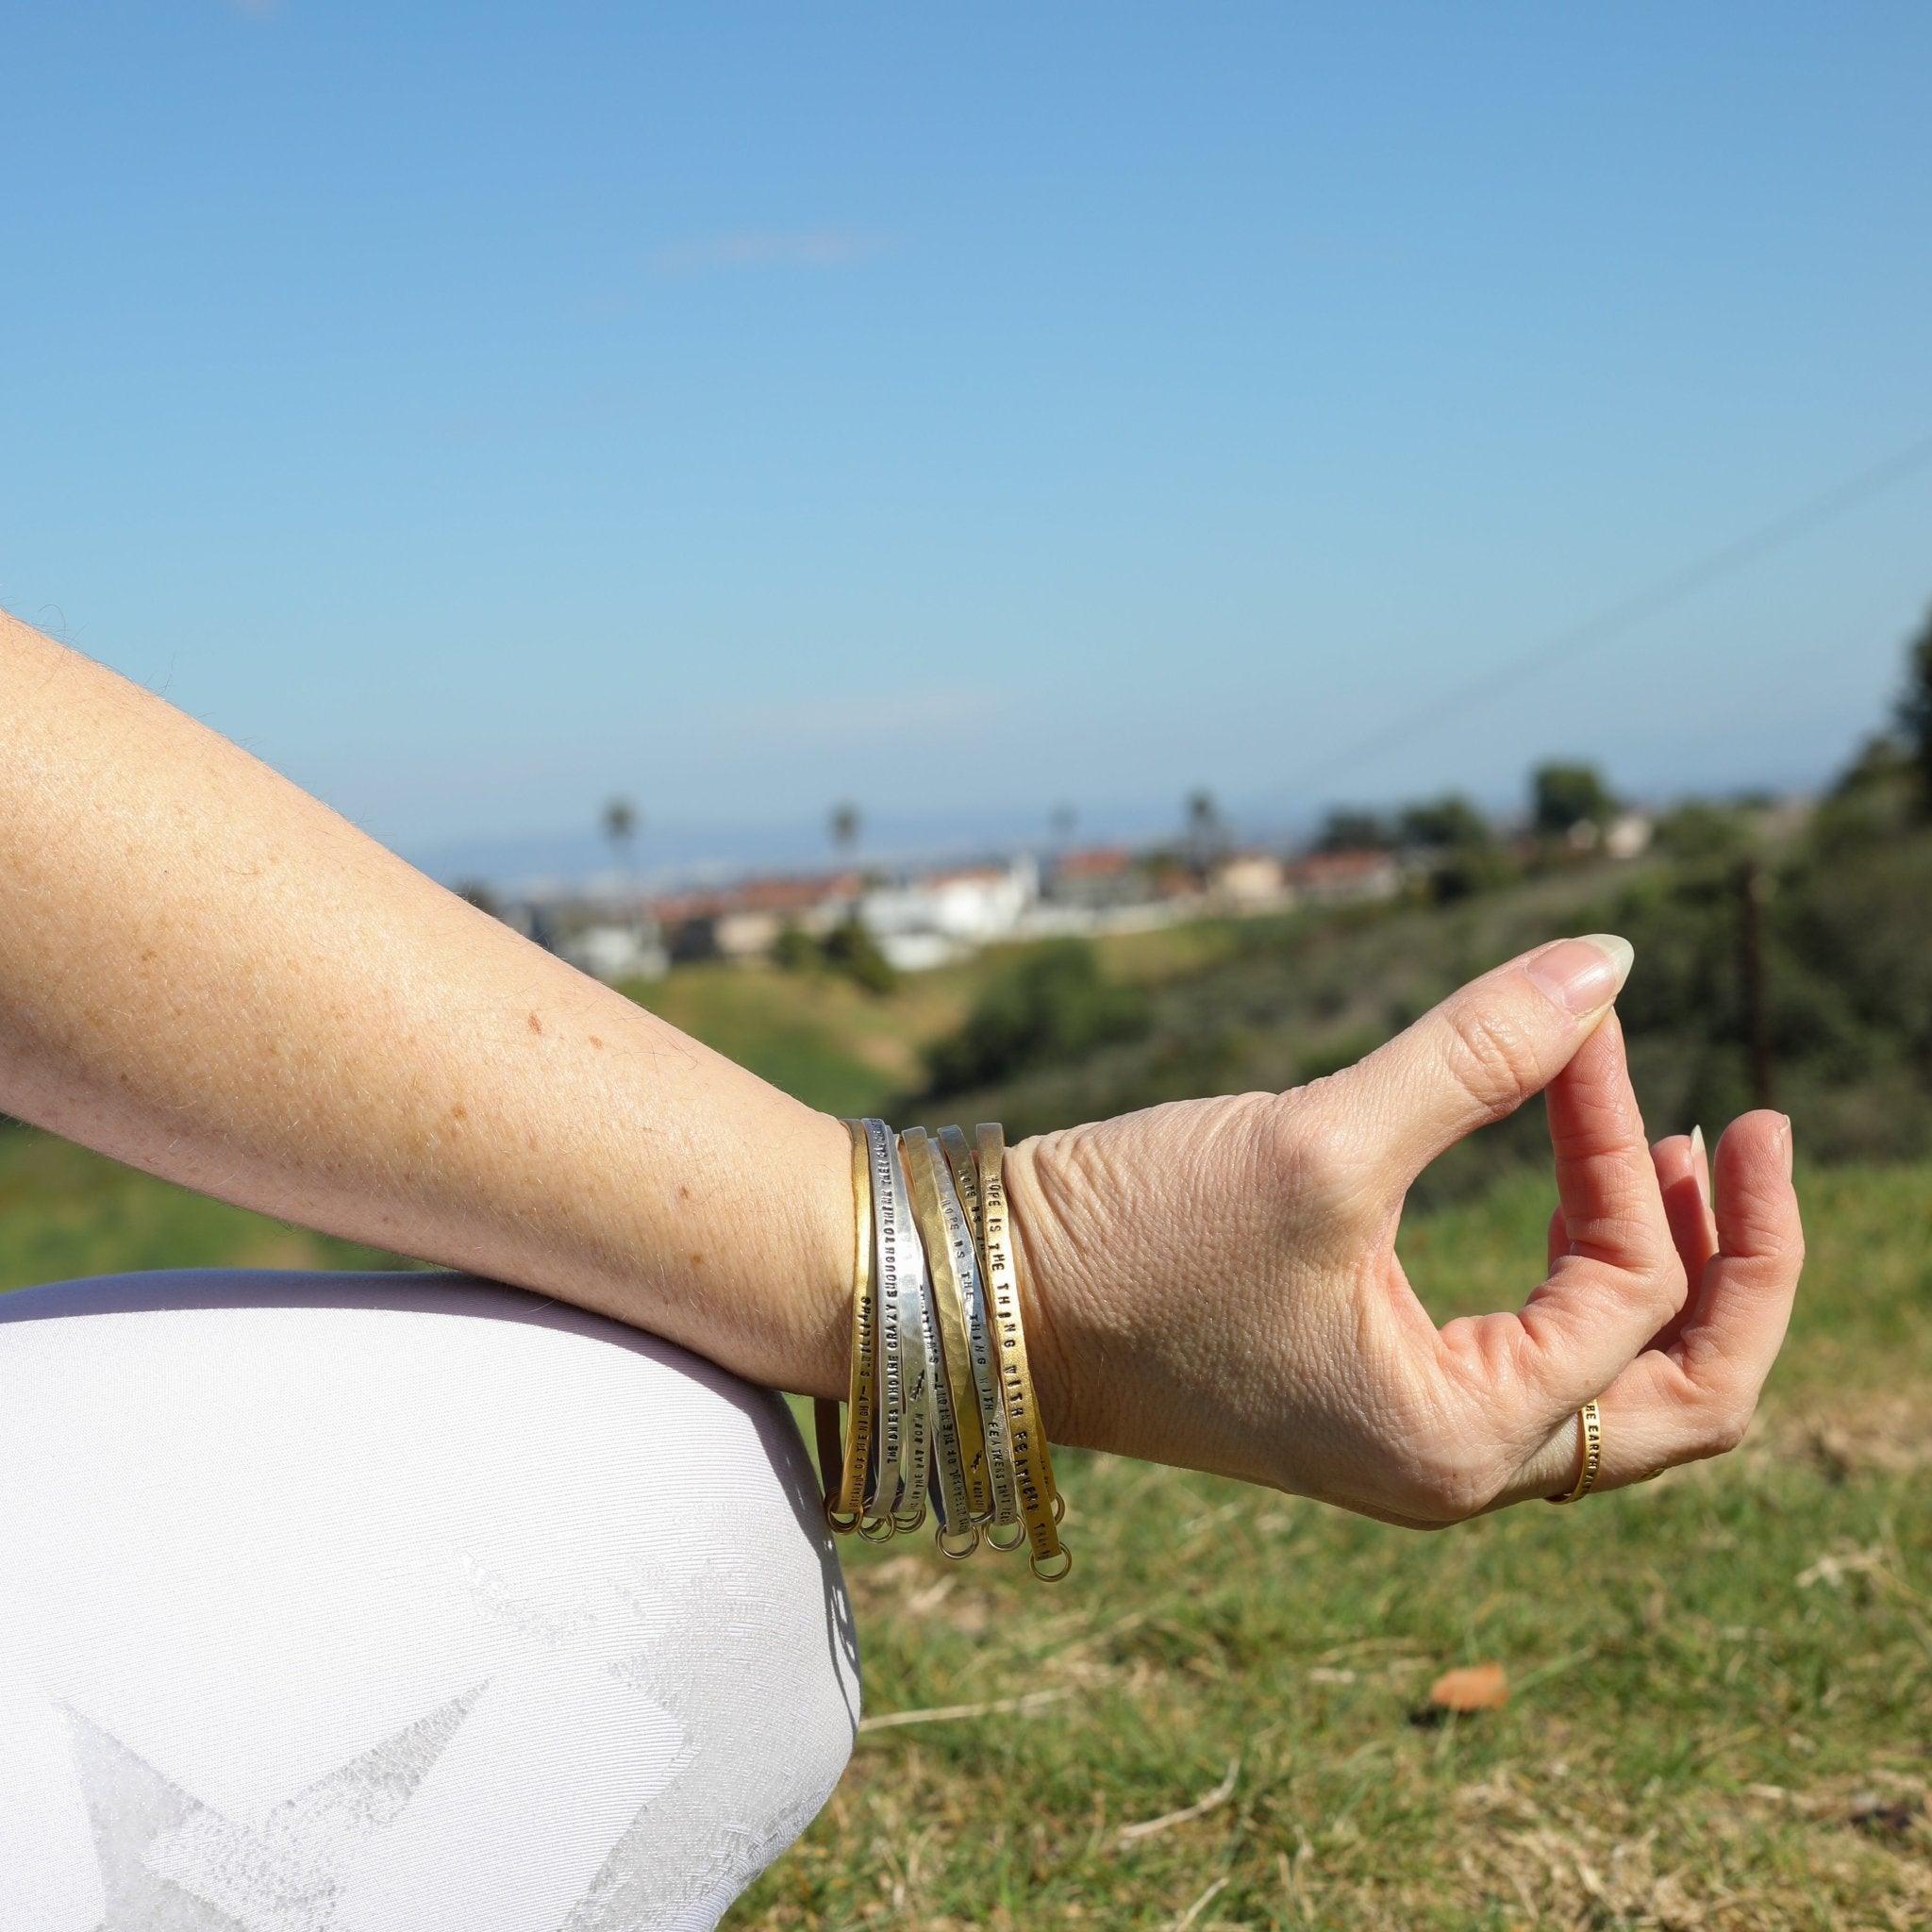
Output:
[[844, 827], [1206, 834], [620, 822]]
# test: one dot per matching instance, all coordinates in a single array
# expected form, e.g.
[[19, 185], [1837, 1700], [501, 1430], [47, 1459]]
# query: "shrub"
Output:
[[1054, 1004], [851, 949]]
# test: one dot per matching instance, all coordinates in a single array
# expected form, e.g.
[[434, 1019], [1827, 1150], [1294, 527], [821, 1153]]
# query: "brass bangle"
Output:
[[925, 1171], [963, 1170], [981, 1350], [1590, 1429], [825, 1420], [860, 1396], [1049, 1557], [825, 1409]]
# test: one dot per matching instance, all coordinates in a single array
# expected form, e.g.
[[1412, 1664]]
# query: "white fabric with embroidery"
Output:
[[398, 1603]]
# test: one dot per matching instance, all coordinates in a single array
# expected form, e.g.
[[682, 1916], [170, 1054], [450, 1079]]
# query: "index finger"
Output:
[[1620, 1279]]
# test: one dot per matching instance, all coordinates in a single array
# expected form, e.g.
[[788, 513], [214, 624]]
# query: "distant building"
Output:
[[1627, 835], [743, 921], [1343, 879], [929, 918], [1250, 882], [1098, 877], [612, 949]]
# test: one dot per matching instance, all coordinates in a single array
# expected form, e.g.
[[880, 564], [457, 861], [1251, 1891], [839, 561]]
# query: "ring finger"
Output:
[[1693, 1395]]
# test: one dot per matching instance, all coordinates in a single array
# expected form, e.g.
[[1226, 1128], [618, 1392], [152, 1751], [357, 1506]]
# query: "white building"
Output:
[[931, 917], [616, 949]]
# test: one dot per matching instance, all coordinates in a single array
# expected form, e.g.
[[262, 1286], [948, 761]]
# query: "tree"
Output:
[[1052, 1006], [794, 950], [1701, 833], [1564, 796], [620, 823], [1444, 823], [1882, 763], [851, 949], [1205, 837], [844, 828], [1350, 828], [1915, 710]]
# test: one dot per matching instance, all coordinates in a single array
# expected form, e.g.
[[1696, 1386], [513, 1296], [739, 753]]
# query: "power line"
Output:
[[1650, 602]]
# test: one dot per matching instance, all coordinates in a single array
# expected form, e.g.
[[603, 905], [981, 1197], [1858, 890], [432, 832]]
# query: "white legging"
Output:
[[398, 1603]]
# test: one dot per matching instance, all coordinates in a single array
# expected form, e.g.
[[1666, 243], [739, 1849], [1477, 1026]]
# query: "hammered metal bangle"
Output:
[[942, 1465], [963, 1165], [889, 1453], [1050, 1558], [980, 1350], [925, 1171], [899, 1264], [964, 1168]]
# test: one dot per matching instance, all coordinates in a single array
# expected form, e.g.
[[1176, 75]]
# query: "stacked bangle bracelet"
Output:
[[942, 1416]]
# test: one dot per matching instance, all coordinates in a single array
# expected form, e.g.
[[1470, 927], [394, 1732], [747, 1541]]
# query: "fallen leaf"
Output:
[[1480, 1687]]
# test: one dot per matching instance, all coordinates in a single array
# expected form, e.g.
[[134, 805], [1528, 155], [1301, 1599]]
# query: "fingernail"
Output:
[[1700, 1164], [1783, 1135], [1584, 974]]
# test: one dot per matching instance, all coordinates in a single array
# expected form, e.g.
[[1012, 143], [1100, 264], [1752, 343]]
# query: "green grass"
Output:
[[1715, 1678], [65, 1213]]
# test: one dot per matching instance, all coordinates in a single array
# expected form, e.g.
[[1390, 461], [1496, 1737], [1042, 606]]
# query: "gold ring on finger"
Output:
[[1590, 1424]]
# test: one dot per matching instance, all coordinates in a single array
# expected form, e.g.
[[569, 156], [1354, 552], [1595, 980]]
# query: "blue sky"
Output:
[[477, 410]]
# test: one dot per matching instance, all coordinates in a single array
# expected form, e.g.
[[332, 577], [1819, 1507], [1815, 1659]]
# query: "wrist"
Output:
[[816, 1322]]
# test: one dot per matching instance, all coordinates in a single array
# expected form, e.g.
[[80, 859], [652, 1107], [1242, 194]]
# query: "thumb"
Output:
[[1486, 1049]]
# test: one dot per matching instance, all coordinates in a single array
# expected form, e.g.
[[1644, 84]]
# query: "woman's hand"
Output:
[[1214, 1283]]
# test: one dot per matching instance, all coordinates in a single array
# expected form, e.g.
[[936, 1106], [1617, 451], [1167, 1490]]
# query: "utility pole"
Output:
[[1750, 895]]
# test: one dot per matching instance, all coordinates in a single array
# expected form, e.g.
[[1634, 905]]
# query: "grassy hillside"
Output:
[[65, 1212], [1847, 972], [819, 1035]]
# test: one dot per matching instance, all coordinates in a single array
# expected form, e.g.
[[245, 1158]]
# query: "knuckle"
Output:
[[1489, 1057], [1318, 1153], [1723, 1425], [1670, 1284]]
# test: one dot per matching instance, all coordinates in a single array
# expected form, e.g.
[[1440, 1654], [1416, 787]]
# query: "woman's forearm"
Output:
[[208, 975]]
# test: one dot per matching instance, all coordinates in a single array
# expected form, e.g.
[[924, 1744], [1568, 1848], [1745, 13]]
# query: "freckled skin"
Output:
[[209, 975]]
